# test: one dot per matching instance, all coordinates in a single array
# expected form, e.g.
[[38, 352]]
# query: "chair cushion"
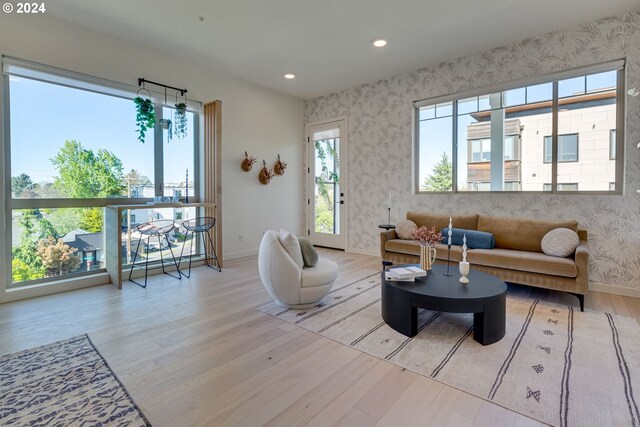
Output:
[[560, 242], [405, 228], [520, 233], [323, 273], [309, 253], [533, 262], [290, 244], [412, 247]]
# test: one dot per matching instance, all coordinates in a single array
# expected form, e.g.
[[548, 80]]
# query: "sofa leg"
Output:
[[581, 299]]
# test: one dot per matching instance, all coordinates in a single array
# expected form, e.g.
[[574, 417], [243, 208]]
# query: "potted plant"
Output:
[[180, 120], [145, 116]]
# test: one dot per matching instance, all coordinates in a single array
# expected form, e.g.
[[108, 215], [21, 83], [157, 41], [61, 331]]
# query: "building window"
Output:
[[567, 148], [75, 162], [612, 144], [573, 186], [178, 216], [502, 140]]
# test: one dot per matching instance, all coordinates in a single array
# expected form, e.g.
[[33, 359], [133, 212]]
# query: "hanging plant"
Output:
[[145, 115], [180, 119], [166, 124]]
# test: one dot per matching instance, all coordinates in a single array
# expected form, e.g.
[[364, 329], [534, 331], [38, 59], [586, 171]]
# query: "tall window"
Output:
[[73, 150], [505, 140]]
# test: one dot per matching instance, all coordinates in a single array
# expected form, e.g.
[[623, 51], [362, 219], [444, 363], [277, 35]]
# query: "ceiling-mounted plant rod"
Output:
[[142, 81], [145, 114]]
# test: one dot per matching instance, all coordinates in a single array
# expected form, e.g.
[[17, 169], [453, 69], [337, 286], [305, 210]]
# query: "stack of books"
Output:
[[404, 274]]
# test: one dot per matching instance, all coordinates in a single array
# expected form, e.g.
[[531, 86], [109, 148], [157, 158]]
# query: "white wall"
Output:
[[380, 155], [255, 119]]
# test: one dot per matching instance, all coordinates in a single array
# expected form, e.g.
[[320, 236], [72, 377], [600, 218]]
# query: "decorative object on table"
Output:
[[449, 233], [145, 113], [265, 174], [464, 265], [64, 383], [180, 118], [427, 238], [279, 167], [186, 191], [248, 162], [408, 272]]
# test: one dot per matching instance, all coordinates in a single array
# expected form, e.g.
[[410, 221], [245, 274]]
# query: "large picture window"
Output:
[[556, 134], [73, 149]]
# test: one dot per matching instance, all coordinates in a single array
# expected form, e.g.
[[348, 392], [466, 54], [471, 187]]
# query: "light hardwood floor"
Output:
[[196, 352]]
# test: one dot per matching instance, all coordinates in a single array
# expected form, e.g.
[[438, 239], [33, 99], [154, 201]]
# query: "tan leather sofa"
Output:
[[516, 258]]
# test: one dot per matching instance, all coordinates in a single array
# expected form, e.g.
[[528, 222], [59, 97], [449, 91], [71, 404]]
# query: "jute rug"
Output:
[[555, 364], [66, 383]]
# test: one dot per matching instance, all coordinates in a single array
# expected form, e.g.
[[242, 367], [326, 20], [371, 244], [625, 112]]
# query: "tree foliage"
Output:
[[441, 177], [57, 257], [21, 183], [85, 174], [21, 271], [91, 220]]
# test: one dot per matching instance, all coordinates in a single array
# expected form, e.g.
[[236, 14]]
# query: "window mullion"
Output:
[[454, 142], [157, 152], [554, 138]]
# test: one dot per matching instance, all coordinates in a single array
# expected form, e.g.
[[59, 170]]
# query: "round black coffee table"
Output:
[[485, 296]]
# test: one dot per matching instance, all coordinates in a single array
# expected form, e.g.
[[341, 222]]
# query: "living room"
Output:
[[212, 348]]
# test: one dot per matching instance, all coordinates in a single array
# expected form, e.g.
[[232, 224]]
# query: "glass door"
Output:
[[327, 185]]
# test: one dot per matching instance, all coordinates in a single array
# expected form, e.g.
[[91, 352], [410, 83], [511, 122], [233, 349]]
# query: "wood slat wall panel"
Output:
[[212, 170]]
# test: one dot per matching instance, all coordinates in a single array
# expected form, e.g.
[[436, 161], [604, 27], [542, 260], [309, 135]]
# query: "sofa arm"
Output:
[[582, 265], [384, 236]]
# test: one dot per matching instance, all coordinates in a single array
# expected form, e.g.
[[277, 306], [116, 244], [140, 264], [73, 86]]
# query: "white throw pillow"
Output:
[[560, 242], [290, 243], [405, 228]]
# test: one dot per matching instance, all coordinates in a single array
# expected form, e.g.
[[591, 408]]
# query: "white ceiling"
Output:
[[327, 43]]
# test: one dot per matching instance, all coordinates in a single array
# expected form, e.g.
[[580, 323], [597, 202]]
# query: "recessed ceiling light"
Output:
[[289, 76], [379, 42]]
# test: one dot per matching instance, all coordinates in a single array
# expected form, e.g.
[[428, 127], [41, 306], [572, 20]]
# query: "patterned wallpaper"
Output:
[[380, 143]]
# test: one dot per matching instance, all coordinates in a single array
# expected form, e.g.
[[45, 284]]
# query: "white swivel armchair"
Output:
[[289, 284]]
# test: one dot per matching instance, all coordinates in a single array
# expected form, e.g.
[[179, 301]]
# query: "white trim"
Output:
[[55, 287], [240, 254], [614, 290]]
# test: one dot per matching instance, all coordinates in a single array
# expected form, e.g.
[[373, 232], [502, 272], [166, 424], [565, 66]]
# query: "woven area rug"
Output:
[[66, 383], [555, 364]]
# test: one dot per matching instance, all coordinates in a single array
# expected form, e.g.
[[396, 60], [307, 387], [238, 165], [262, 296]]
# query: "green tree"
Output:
[[91, 220], [441, 178], [21, 183], [21, 271], [85, 174]]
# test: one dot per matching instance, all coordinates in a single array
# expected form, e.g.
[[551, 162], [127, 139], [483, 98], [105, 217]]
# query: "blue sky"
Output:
[[44, 115]]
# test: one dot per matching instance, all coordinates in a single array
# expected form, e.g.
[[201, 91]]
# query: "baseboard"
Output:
[[240, 254], [615, 290], [370, 252]]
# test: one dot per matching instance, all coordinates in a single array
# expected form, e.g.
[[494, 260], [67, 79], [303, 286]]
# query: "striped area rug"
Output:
[[555, 364], [66, 383]]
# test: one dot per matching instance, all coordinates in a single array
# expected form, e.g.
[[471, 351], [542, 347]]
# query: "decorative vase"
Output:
[[427, 257], [464, 271]]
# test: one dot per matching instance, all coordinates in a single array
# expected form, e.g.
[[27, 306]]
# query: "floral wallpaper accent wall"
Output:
[[380, 142]]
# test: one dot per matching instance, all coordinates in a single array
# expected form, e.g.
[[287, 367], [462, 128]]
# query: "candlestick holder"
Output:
[[448, 259]]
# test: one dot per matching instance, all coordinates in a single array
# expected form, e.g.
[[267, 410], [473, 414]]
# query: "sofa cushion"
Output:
[[412, 247], [533, 262], [405, 228], [475, 239], [425, 219], [290, 244], [560, 242], [519, 233]]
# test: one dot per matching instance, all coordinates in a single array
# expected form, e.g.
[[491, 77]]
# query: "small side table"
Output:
[[387, 226]]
